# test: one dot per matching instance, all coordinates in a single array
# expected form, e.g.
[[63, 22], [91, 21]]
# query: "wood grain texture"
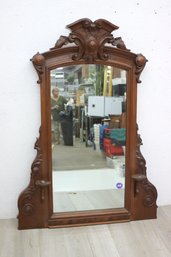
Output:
[[147, 238]]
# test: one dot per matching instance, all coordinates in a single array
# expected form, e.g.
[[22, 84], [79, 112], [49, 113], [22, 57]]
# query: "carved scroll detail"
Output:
[[26, 199], [150, 193], [91, 37], [142, 184], [141, 163], [140, 64], [38, 61]]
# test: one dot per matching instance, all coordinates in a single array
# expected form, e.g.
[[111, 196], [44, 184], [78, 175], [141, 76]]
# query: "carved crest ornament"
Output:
[[91, 38], [88, 42]]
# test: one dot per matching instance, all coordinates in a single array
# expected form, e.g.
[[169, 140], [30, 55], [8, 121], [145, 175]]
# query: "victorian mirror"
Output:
[[88, 168]]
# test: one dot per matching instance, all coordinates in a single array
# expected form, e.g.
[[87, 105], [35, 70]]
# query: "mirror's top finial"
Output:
[[87, 23]]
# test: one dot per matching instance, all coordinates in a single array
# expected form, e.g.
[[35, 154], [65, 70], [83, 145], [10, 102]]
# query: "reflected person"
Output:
[[67, 123], [57, 105]]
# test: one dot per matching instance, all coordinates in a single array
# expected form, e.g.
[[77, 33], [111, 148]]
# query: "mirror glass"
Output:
[[88, 125]]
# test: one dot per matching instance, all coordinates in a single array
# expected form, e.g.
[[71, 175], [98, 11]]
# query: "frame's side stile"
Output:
[[47, 124], [130, 119]]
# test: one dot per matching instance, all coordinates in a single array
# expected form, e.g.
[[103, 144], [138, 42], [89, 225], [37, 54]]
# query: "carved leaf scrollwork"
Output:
[[141, 163], [150, 195], [140, 64], [148, 189], [26, 198], [91, 37], [38, 61]]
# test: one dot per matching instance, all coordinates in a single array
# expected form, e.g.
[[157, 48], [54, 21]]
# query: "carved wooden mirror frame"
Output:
[[88, 43]]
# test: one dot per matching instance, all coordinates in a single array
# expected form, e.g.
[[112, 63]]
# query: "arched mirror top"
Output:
[[90, 42], [95, 115]]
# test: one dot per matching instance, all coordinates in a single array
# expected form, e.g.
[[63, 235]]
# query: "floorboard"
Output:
[[147, 238]]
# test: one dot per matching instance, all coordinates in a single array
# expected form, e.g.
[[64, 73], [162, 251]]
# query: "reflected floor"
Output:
[[77, 157], [88, 200]]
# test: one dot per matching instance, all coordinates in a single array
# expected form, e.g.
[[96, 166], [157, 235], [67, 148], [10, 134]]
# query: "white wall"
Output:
[[88, 180], [30, 26]]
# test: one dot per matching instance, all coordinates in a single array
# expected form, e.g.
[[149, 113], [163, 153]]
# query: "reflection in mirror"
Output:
[[88, 114]]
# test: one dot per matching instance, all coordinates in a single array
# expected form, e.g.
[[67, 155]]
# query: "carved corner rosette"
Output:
[[140, 63], [38, 61], [26, 199], [91, 37], [141, 182], [150, 193]]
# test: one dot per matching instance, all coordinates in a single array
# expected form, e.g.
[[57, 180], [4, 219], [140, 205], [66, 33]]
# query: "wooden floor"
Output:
[[76, 156], [149, 238]]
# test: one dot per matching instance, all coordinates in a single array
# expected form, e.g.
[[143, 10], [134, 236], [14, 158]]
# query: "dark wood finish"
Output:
[[92, 42]]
